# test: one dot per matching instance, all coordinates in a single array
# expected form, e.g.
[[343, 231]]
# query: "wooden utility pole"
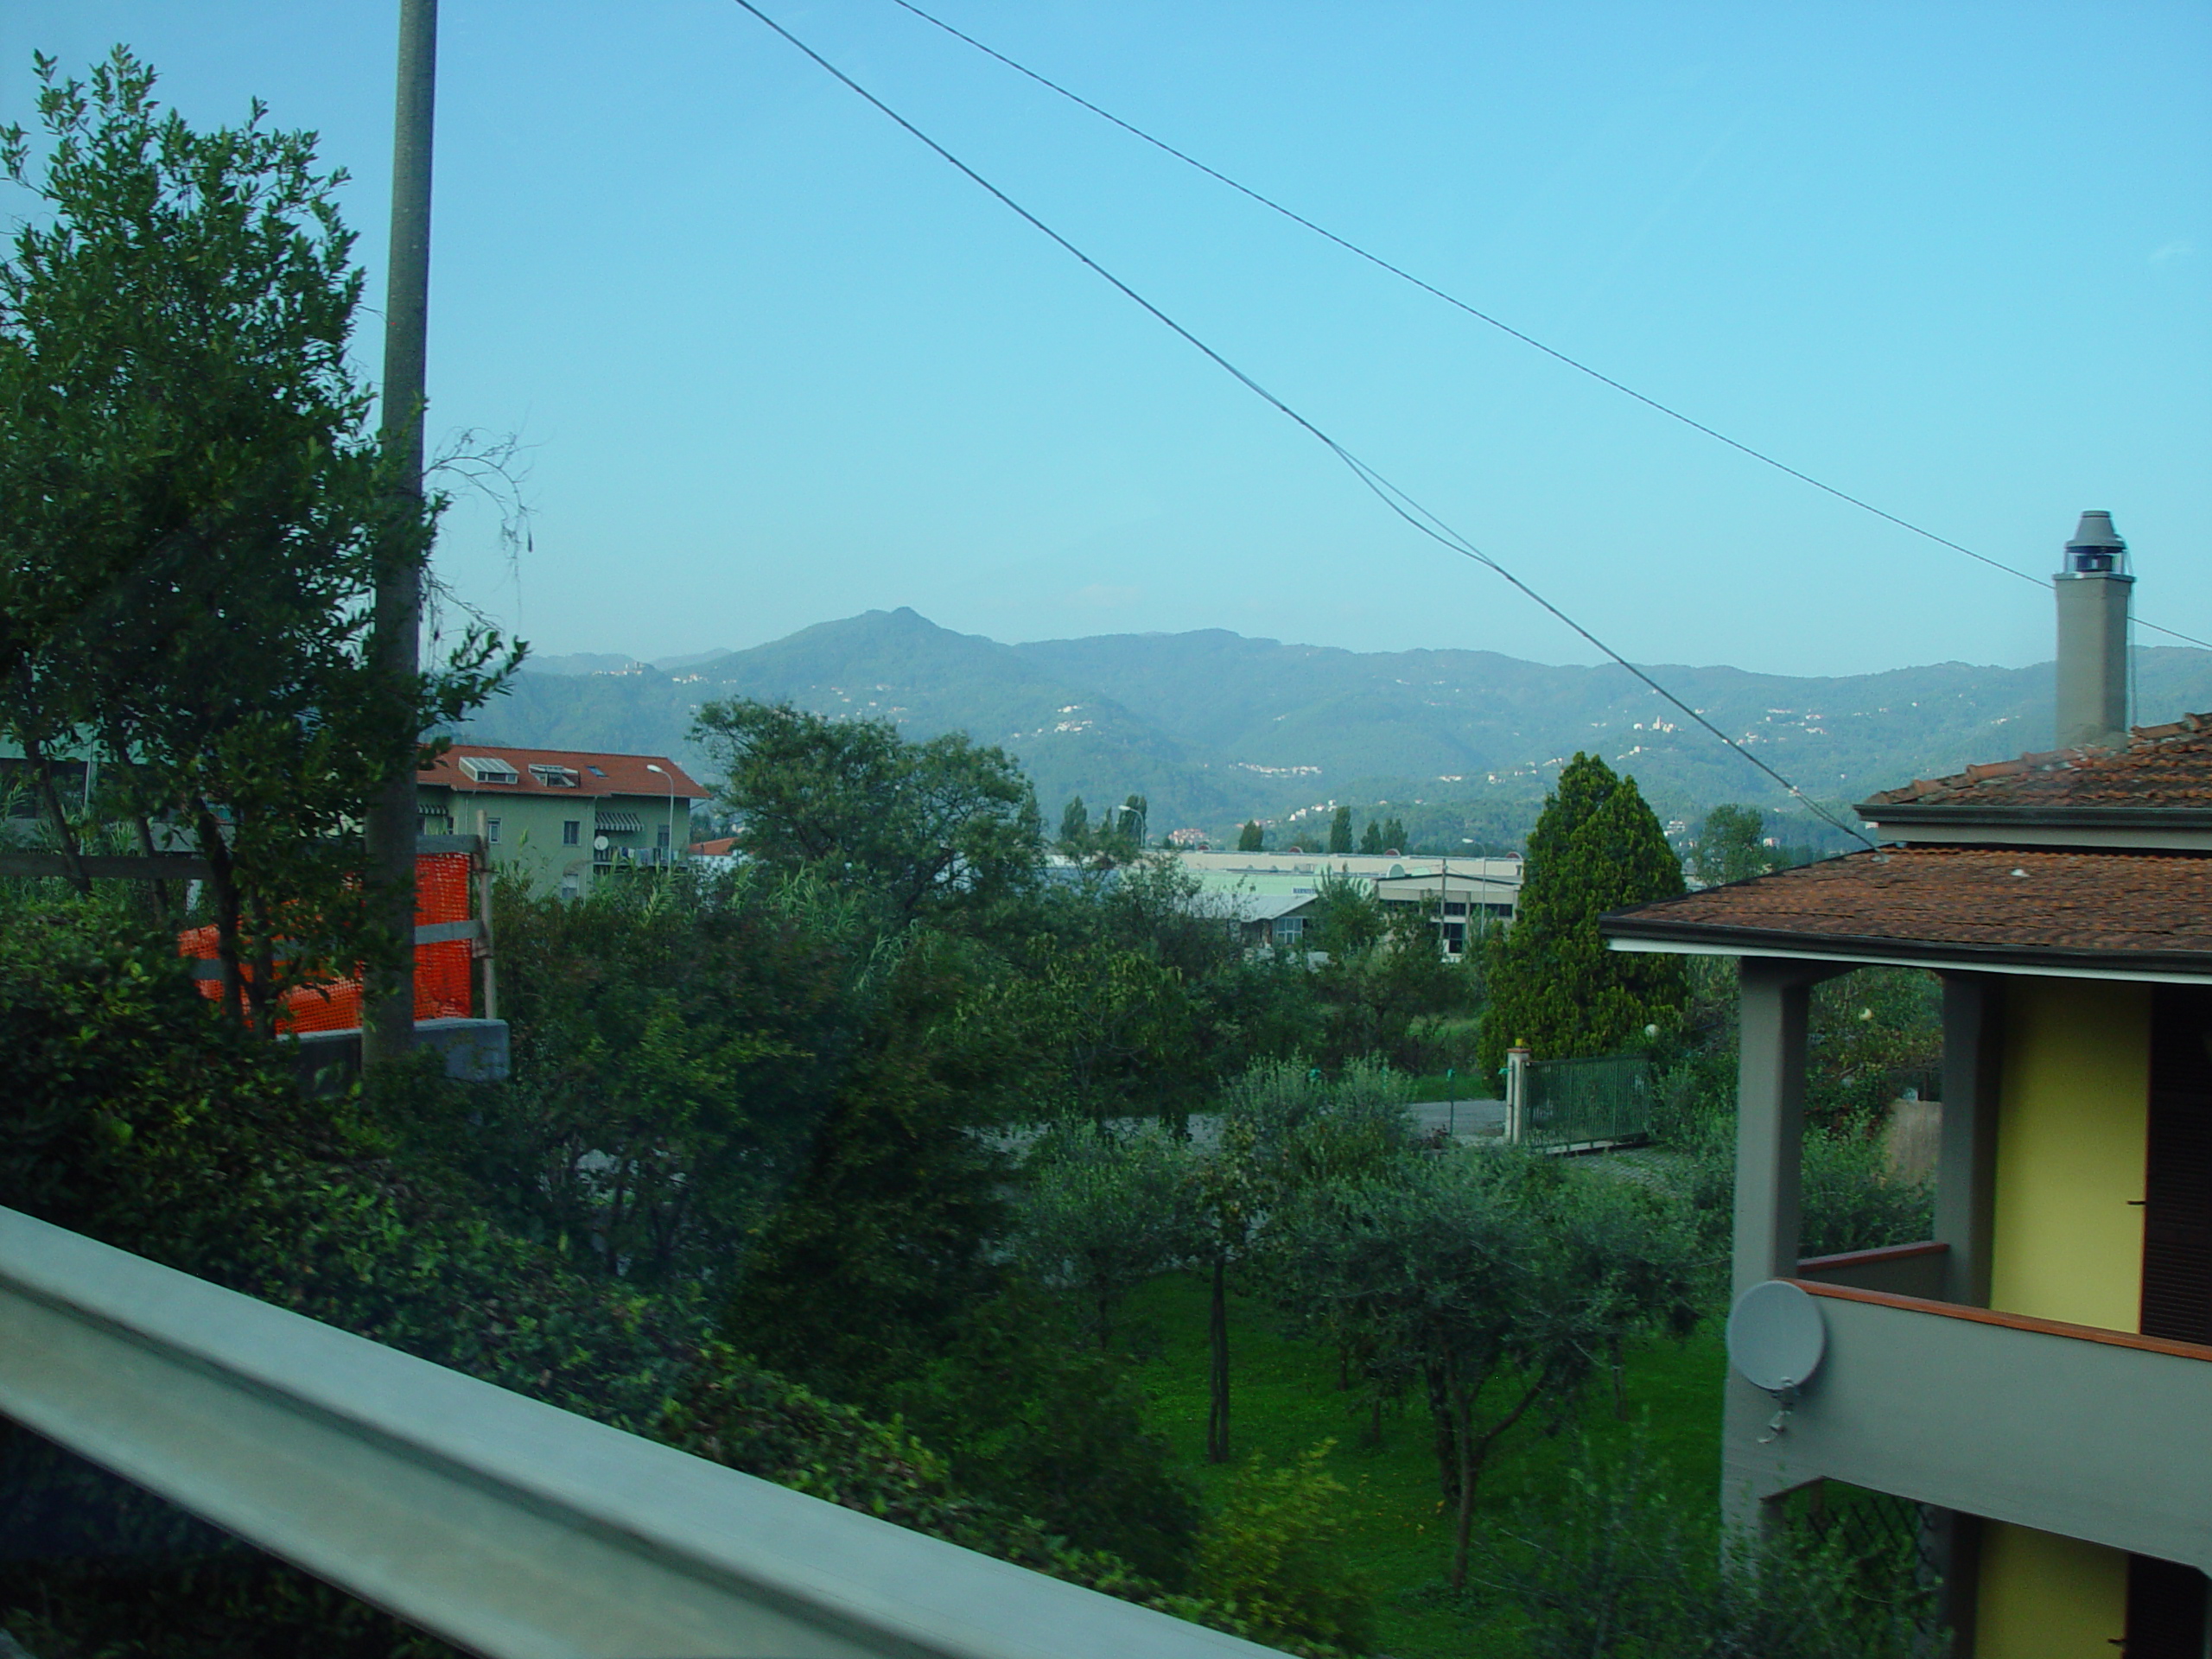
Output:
[[388, 1008]]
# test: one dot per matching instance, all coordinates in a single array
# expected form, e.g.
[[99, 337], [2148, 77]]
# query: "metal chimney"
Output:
[[2093, 591]]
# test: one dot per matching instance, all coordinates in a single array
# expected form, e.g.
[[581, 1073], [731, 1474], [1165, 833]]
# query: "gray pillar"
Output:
[[1965, 1189], [1966, 1167], [1774, 999], [391, 823]]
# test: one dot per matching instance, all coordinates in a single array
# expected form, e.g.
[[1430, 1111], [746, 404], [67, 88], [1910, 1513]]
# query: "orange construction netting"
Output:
[[442, 970]]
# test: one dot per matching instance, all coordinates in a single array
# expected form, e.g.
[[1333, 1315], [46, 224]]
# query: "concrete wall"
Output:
[[2072, 1124]]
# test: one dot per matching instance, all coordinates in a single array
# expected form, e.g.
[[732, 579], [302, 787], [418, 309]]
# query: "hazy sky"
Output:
[[774, 363]]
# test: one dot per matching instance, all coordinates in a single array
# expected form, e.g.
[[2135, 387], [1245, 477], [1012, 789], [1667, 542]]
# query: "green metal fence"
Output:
[[1593, 1103]]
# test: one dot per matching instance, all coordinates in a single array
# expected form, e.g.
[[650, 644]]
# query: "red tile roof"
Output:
[[2166, 765], [595, 774], [2008, 904], [722, 848]]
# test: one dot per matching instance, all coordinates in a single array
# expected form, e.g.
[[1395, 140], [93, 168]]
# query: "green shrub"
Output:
[[1615, 1569], [1044, 1424], [1272, 1556]]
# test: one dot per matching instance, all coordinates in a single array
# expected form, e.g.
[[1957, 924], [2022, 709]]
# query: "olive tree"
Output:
[[194, 511]]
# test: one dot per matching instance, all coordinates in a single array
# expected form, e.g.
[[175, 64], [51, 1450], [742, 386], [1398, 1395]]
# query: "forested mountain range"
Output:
[[1213, 728]]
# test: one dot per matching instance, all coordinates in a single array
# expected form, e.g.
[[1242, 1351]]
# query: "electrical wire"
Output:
[[1388, 494], [1480, 316]]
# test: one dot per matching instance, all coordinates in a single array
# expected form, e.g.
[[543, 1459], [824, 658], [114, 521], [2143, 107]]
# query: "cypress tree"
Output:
[[1340, 831], [1553, 983], [1251, 838]]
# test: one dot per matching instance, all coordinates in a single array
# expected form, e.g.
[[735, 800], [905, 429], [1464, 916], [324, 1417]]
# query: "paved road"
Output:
[[1465, 1118]]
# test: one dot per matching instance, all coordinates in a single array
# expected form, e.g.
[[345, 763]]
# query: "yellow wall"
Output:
[[2072, 1117], [2045, 1597]]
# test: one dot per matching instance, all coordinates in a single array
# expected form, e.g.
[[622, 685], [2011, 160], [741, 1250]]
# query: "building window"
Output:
[[660, 838], [572, 833], [492, 830]]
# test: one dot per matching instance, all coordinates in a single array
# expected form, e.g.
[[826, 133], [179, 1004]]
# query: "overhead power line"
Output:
[[1388, 494], [1498, 323]]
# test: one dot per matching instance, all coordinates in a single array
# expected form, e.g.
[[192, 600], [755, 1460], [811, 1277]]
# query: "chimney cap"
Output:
[[2096, 531]]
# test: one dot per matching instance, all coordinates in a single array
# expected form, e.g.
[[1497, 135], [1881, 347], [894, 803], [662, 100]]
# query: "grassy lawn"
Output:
[[1284, 1399]]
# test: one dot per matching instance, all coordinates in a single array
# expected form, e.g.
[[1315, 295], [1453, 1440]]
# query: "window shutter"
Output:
[[2165, 1610], [2177, 1176]]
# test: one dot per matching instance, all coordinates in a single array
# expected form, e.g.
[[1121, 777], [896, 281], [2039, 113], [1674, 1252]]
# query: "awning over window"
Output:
[[619, 824]]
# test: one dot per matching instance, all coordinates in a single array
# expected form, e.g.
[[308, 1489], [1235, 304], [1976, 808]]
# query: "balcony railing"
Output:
[[501, 1525], [2100, 1435]]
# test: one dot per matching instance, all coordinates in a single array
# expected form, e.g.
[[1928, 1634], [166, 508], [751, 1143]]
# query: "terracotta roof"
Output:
[[593, 773], [722, 848], [2166, 765], [2010, 905]]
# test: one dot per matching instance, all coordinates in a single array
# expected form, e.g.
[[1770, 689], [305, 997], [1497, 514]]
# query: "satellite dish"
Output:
[[1775, 1337], [598, 843]]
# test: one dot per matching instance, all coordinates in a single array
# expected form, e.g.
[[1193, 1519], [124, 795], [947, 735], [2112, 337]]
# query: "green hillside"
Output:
[[1213, 728]]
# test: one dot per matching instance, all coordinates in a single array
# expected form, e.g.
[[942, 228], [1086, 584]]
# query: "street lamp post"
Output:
[[650, 766]]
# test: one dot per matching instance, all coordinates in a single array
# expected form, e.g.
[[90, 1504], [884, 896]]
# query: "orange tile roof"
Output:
[[2012, 906], [595, 774], [2160, 766]]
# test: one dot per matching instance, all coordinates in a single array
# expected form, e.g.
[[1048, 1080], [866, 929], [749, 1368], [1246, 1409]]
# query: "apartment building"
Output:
[[2038, 1374], [565, 817]]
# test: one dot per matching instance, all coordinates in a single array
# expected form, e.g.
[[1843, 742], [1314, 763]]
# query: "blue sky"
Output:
[[774, 364]]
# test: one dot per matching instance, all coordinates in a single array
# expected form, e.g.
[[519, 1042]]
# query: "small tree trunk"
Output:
[[157, 891], [222, 886], [1447, 1439], [261, 990], [65, 832], [1218, 1335], [1463, 1413]]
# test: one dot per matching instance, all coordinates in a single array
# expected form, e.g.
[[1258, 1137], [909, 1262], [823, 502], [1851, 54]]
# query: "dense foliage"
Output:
[[1553, 984], [194, 512]]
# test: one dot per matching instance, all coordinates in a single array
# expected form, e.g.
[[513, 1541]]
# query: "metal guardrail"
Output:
[[1604, 1101], [504, 1525]]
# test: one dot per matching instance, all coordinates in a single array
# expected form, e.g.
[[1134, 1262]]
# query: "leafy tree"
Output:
[[1394, 836], [1553, 983], [931, 829], [1340, 831], [676, 1046], [1371, 839], [1283, 1129], [1054, 1429], [194, 512], [1384, 975], [1075, 826], [1731, 846], [1100, 1214], [1347, 917], [1251, 838], [1136, 816], [1482, 1279]]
